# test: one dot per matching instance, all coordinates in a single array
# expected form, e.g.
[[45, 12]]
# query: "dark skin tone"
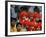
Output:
[[19, 28], [24, 8], [12, 24]]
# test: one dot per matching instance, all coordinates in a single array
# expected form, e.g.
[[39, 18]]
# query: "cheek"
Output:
[[18, 27]]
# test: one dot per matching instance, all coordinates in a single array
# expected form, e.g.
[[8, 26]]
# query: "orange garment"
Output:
[[13, 29]]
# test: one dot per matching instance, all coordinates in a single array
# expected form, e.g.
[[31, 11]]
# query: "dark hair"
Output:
[[24, 8], [11, 5], [13, 19], [39, 21], [18, 24], [13, 23], [16, 9], [36, 9]]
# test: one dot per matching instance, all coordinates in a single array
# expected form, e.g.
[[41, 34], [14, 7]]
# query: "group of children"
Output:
[[27, 21]]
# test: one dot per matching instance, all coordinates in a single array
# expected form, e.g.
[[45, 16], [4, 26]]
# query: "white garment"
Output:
[[31, 9], [14, 15]]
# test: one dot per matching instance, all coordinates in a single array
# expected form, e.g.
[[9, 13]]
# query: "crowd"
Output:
[[27, 21]]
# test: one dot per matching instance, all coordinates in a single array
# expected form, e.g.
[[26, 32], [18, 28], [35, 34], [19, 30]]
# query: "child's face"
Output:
[[19, 27], [13, 23]]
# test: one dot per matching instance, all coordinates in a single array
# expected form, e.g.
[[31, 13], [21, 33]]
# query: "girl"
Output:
[[13, 26]]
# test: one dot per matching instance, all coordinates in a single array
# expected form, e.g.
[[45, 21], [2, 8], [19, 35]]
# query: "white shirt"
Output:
[[14, 15]]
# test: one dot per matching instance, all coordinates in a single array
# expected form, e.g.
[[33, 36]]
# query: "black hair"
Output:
[[11, 5], [13, 19], [24, 8], [12, 23], [36, 9], [18, 24], [16, 9], [39, 21]]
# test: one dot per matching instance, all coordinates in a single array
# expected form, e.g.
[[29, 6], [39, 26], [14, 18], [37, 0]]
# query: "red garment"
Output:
[[37, 15], [28, 29], [27, 22], [22, 14], [30, 14], [40, 24], [21, 21], [32, 23]]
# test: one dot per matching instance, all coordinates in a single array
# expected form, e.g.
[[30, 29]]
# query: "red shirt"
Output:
[[37, 15], [22, 14]]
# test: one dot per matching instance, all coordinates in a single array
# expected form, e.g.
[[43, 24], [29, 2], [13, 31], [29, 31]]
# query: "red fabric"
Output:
[[40, 24], [36, 15], [28, 29], [27, 22], [21, 21], [30, 23], [30, 14], [22, 14]]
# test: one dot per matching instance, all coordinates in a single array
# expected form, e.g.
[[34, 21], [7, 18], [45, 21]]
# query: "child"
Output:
[[19, 27], [13, 26], [37, 12], [23, 12], [37, 16]]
